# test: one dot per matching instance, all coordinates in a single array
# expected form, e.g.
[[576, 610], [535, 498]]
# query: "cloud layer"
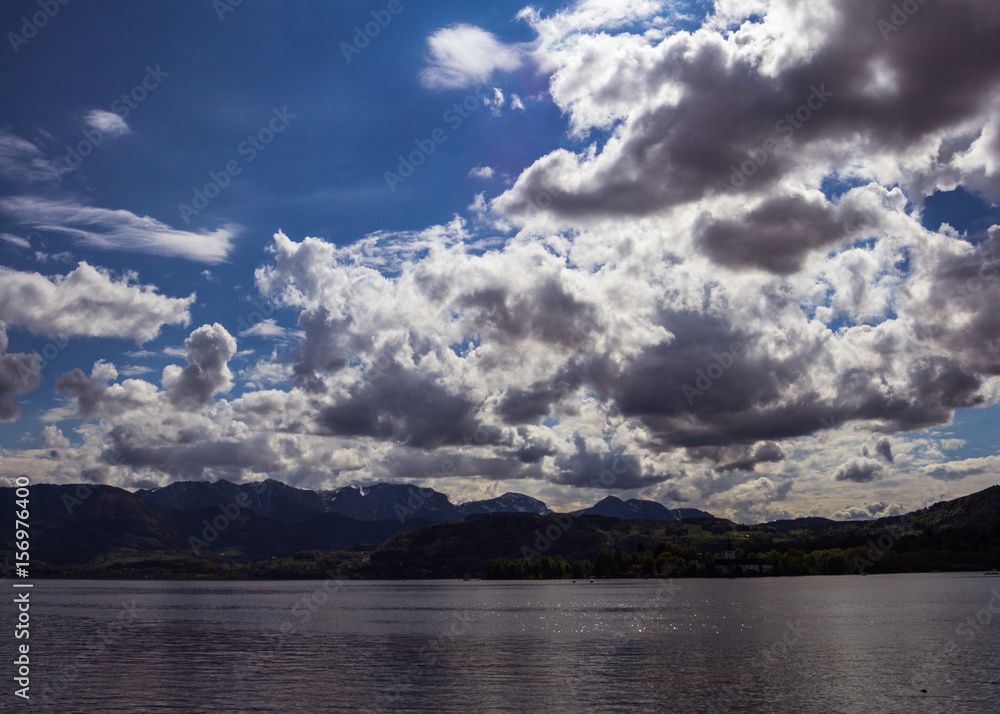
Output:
[[727, 296]]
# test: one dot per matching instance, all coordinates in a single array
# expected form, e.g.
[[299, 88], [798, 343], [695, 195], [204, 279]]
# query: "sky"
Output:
[[740, 255]]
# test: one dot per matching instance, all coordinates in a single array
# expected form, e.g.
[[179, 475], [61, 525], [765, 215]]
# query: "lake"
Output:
[[820, 644]]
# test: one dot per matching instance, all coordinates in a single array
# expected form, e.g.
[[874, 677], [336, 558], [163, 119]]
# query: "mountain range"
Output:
[[279, 502], [271, 530], [637, 510]]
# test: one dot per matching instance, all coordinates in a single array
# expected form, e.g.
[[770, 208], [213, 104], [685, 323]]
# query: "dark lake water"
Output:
[[837, 644]]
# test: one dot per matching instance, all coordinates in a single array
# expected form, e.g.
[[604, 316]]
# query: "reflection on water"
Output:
[[844, 644]]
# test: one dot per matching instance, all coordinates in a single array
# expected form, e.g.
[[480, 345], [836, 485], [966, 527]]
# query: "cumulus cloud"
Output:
[[861, 470], [87, 302], [957, 470], [777, 234], [810, 101], [481, 172], [53, 438], [97, 396], [273, 370], [868, 512], [106, 122], [464, 55], [19, 374], [209, 349], [744, 458], [758, 500], [190, 460], [119, 229], [588, 16]]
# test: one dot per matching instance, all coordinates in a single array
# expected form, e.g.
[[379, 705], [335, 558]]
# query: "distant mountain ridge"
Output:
[[379, 502], [635, 509], [507, 503]]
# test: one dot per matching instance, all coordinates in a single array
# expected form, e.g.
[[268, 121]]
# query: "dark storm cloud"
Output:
[[880, 449], [534, 448], [706, 387], [321, 350], [226, 459], [411, 464], [672, 155], [522, 405], [612, 470], [860, 471], [92, 394], [533, 454], [710, 387], [777, 235], [19, 374], [673, 494], [746, 458], [397, 404], [546, 312], [967, 285]]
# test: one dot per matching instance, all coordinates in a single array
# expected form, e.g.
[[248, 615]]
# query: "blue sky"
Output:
[[323, 176], [452, 303]]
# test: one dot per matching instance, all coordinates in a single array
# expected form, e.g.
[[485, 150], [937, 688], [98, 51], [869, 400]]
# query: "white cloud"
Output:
[[134, 370], [268, 372], [43, 257], [119, 229], [464, 55], [106, 122], [87, 302], [868, 512], [53, 438], [266, 328], [481, 172], [956, 470], [24, 163], [15, 241], [590, 16]]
